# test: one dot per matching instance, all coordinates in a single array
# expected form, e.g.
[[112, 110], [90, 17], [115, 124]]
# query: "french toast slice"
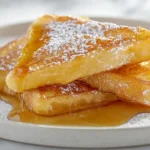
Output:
[[62, 49], [8, 58], [55, 100], [130, 83]]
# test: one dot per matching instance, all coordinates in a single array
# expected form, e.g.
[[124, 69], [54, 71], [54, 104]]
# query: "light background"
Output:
[[21, 10]]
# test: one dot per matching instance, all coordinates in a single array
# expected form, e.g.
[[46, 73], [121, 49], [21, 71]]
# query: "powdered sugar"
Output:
[[70, 32], [8, 61], [70, 88], [76, 38], [74, 34]]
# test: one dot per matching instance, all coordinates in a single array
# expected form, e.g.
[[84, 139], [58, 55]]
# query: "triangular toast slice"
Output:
[[130, 83], [53, 99], [61, 99], [61, 49]]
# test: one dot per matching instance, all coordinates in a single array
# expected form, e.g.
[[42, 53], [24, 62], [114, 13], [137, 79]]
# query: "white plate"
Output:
[[135, 132]]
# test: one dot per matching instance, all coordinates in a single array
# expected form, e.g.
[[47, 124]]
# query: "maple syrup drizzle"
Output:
[[117, 113], [63, 38]]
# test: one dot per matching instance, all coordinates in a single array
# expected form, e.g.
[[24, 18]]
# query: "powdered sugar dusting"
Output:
[[72, 38], [75, 87], [8, 61], [71, 32], [70, 88]]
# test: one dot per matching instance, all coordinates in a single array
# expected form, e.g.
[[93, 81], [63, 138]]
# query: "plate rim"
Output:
[[92, 17], [98, 137]]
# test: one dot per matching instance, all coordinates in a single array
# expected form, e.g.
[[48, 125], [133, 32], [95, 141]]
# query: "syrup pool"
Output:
[[114, 114]]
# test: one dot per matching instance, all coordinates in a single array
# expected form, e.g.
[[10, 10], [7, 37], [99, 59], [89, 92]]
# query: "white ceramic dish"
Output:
[[135, 132]]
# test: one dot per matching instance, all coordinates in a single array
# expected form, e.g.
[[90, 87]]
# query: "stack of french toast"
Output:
[[65, 64]]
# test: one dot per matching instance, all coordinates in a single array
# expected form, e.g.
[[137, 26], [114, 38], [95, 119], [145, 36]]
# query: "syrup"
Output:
[[114, 114]]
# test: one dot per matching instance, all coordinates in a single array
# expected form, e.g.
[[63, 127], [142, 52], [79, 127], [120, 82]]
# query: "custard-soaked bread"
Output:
[[130, 83], [62, 49], [54, 99], [8, 58], [60, 99]]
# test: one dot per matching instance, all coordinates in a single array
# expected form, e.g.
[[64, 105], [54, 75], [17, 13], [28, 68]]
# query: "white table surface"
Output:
[[12, 11]]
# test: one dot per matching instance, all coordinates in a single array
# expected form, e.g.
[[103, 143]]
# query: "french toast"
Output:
[[130, 83], [55, 100], [8, 58], [62, 49]]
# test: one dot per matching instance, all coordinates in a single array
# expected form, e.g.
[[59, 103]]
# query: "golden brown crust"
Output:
[[131, 83], [52, 99], [60, 48], [57, 100]]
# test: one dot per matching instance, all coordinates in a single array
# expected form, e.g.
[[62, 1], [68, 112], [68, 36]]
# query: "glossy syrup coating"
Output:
[[131, 83], [55, 100], [61, 49], [52, 99], [55, 40]]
